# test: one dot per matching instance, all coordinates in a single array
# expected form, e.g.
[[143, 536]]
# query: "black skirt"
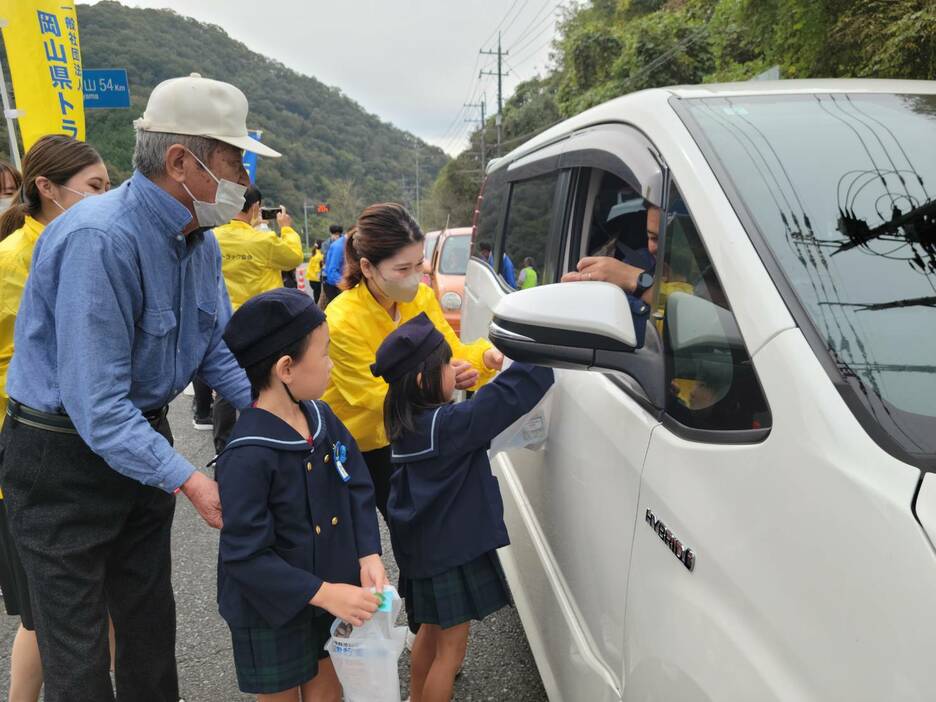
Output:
[[269, 660], [467, 592], [13, 577]]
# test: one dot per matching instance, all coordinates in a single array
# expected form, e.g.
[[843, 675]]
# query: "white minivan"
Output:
[[742, 506]]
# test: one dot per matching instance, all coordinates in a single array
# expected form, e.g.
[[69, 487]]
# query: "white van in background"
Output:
[[742, 508]]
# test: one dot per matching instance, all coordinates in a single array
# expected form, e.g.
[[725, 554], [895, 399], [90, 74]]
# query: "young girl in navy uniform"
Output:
[[300, 544], [445, 511]]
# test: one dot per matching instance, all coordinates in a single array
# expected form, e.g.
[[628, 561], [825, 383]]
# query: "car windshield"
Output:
[[429, 247], [455, 253], [843, 189]]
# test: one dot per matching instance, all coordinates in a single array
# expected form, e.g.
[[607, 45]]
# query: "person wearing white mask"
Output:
[[10, 180], [382, 282], [124, 306], [59, 171]]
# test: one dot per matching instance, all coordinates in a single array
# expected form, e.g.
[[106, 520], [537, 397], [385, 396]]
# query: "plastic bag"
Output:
[[365, 657], [530, 431]]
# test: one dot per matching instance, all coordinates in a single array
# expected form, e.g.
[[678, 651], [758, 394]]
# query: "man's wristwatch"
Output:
[[644, 283]]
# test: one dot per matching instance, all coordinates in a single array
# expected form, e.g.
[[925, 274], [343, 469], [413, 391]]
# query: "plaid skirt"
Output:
[[271, 660], [467, 592]]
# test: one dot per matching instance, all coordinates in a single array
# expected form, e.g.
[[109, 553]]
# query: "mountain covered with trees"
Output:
[[607, 48], [333, 150]]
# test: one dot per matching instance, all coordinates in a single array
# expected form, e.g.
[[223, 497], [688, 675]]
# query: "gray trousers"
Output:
[[92, 541]]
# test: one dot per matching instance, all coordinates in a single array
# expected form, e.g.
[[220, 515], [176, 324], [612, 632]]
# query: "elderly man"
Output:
[[125, 305]]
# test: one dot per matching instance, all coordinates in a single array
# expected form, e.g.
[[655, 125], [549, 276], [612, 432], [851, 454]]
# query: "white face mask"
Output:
[[229, 200], [71, 190], [5, 203], [400, 290]]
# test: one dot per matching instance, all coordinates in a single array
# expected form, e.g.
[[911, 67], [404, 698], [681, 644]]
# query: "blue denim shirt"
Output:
[[334, 262], [120, 311]]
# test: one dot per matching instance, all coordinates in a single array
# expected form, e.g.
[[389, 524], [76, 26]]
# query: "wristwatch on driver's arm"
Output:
[[644, 283]]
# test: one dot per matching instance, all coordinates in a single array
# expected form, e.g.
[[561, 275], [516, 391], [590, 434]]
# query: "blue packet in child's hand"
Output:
[[386, 599]]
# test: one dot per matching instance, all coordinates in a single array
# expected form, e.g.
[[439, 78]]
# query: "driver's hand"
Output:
[[606, 269]]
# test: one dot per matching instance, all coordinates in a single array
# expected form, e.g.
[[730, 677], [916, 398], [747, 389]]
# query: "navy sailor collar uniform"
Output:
[[294, 516], [445, 507]]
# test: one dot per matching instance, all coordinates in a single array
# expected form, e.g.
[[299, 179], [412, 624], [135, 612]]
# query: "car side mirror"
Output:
[[584, 325]]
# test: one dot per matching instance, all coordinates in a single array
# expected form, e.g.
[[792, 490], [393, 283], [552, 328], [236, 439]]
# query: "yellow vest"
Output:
[[15, 258], [314, 271], [252, 261], [358, 325]]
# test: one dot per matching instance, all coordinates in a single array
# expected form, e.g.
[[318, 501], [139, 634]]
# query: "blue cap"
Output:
[[406, 348], [270, 322]]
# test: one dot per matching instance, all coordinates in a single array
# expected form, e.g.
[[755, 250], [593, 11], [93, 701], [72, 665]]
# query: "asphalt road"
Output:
[[499, 665]]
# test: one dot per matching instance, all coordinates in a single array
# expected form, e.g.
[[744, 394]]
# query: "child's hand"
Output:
[[372, 573], [349, 603], [465, 374]]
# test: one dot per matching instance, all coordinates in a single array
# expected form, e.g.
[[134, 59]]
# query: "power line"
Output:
[[516, 16], [535, 51], [470, 96], [536, 19], [547, 24], [501, 23]]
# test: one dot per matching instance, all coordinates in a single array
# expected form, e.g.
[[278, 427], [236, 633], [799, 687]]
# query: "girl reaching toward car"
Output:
[[382, 290], [445, 511]]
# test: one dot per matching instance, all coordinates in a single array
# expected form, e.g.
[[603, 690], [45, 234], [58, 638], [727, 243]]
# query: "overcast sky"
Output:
[[412, 62]]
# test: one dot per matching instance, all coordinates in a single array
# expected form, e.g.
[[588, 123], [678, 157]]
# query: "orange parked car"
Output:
[[449, 263], [432, 238]]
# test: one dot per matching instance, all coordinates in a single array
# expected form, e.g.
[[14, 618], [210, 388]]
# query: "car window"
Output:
[[429, 247], [711, 378], [615, 218], [453, 259], [491, 202], [529, 223]]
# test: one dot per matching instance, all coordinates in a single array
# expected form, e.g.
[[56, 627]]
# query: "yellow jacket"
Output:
[[358, 325], [314, 271], [252, 261], [15, 258]]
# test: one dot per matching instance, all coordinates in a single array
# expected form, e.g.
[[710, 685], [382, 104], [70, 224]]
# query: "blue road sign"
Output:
[[106, 88], [250, 158]]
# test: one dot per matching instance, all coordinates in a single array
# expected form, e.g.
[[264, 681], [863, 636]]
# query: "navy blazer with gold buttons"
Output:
[[291, 522], [445, 507]]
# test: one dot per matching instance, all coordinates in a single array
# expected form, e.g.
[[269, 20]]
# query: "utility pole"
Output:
[[418, 220], [500, 53], [482, 106]]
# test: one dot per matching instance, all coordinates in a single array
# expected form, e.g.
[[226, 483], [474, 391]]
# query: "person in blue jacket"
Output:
[[299, 544], [445, 511], [333, 265], [507, 266]]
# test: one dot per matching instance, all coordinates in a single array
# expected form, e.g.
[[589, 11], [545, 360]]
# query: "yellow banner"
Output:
[[44, 55]]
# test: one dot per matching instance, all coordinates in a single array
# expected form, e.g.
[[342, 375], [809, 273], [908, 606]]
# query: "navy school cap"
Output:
[[269, 322], [406, 347]]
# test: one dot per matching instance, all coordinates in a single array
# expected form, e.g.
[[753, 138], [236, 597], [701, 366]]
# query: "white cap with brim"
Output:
[[203, 107]]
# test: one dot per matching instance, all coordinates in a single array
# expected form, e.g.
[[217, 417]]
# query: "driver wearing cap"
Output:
[[125, 306]]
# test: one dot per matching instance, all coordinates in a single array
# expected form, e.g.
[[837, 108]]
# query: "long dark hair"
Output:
[[409, 395], [58, 158], [13, 173], [379, 233]]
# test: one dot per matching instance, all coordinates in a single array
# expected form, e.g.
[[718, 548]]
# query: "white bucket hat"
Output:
[[201, 107]]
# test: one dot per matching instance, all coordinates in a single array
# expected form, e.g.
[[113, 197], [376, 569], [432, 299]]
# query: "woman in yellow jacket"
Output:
[[314, 271], [58, 171], [382, 290]]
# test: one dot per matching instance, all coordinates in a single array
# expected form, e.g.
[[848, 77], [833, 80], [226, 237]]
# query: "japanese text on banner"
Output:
[[44, 55]]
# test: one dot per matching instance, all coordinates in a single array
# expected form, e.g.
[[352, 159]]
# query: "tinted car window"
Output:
[[710, 374], [529, 222]]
